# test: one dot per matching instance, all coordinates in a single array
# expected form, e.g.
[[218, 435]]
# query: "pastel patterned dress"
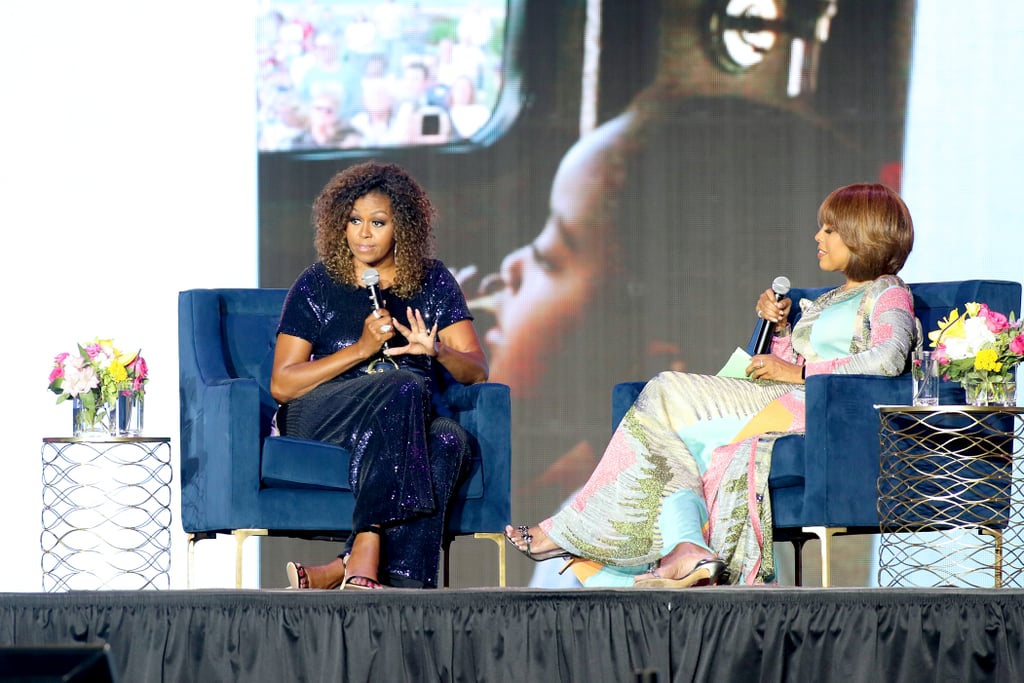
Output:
[[690, 460]]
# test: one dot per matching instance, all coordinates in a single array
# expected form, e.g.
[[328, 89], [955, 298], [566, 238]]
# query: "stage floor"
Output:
[[516, 634]]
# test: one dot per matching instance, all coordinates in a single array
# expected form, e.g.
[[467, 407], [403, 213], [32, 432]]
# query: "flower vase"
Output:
[[129, 413], [998, 390], [97, 423]]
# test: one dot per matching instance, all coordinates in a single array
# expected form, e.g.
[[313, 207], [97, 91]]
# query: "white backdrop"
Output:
[[127, 173]]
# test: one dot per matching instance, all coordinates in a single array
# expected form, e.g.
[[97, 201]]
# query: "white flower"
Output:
[[978, 335], [79, 378]]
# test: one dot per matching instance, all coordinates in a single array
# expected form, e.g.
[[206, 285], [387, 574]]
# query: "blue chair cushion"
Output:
[[788, 466], [289, 462]]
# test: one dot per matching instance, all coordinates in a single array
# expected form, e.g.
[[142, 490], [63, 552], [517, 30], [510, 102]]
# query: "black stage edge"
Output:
[[516, 634]]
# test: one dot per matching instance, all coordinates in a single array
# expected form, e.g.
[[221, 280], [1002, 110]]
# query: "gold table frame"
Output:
[[106, 513], [950, 496]]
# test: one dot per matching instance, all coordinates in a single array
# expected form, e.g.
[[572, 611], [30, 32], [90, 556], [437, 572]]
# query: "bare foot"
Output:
[[533, 543]]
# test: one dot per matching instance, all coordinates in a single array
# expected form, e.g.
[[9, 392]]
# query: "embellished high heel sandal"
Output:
[[360, 583], [710, 570], [298, 579], [527, 538]]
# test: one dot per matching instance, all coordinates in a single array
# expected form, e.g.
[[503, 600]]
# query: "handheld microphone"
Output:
[[371, 278], [780, 286]]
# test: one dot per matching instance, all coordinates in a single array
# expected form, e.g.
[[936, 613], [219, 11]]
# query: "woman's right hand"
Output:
[[378, 327], [773, 311]]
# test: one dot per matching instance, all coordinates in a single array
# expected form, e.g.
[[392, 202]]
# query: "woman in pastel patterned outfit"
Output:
[[680, 495]]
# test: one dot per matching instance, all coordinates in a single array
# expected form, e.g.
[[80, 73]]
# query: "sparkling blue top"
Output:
[[329, 314]]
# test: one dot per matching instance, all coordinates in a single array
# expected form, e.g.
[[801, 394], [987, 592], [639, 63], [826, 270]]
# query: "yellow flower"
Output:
[[987, 359], [127, 358], [973, 308], [117, 371], [953, 326]]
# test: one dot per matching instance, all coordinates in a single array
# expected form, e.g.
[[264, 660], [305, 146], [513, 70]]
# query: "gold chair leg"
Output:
[[997, 537], [500, 540], [240, 536], [825, 535], [191, 559]]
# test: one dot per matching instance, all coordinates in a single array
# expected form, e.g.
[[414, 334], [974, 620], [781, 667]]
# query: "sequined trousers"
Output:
[[405, 463]]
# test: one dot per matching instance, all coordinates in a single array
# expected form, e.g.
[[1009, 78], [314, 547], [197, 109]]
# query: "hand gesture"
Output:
[[420, 338]]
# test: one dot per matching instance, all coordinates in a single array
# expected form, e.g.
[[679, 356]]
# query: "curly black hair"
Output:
[[413, 218]]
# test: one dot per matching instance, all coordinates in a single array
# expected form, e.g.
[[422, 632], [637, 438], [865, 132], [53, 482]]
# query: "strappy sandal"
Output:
[[298, 579], [360, 583], [356, 581], [710, 570], [527, 538]]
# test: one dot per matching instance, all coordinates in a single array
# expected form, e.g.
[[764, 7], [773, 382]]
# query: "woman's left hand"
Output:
[[420, 338], [767, 366]]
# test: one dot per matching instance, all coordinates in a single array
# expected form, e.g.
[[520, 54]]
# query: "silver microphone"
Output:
[[371, 278], [780, 286]]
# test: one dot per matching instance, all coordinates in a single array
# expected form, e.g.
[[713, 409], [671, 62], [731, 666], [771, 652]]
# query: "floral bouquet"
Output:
[[980, 349], [97, 375]]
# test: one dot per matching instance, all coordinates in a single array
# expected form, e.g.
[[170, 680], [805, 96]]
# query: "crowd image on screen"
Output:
[[343, 74]]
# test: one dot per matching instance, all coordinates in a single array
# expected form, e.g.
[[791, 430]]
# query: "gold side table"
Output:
[[106, 513], [949, 496]]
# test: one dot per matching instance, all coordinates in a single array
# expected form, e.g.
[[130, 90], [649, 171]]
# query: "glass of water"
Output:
[[925, 371]]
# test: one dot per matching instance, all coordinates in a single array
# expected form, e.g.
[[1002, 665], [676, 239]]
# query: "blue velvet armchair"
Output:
[[825, 482], [236, 478]]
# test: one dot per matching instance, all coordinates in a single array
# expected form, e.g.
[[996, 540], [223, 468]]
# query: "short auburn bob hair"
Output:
[[875, 225]]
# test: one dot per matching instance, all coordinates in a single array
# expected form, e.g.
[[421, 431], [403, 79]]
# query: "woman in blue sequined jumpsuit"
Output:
[[367, 379]]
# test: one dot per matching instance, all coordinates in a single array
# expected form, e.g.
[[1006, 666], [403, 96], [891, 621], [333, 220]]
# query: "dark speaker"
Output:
[[79, 663]]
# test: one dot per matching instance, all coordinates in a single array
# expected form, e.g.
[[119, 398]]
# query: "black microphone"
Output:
[[780, 286], [371, 278]]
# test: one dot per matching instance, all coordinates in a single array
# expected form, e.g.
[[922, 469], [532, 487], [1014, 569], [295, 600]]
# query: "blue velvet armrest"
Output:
[[483, 410], [841, 448], [220, 422]]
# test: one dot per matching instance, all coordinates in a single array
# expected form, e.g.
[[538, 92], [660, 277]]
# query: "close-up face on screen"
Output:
[[610, 205]]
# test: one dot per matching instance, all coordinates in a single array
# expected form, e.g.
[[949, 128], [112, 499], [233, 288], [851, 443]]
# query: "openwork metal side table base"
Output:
[[950, 495], [106, 513]]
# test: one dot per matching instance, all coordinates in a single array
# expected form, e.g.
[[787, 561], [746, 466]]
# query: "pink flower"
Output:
[[140, 368], [996, 322], [940, 354], [56, 373], [58, 367], [1017, 345]]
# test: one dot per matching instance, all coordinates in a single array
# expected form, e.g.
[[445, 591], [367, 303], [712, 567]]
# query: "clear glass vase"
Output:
[[93, 419], [995, 390], [129, 413]]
